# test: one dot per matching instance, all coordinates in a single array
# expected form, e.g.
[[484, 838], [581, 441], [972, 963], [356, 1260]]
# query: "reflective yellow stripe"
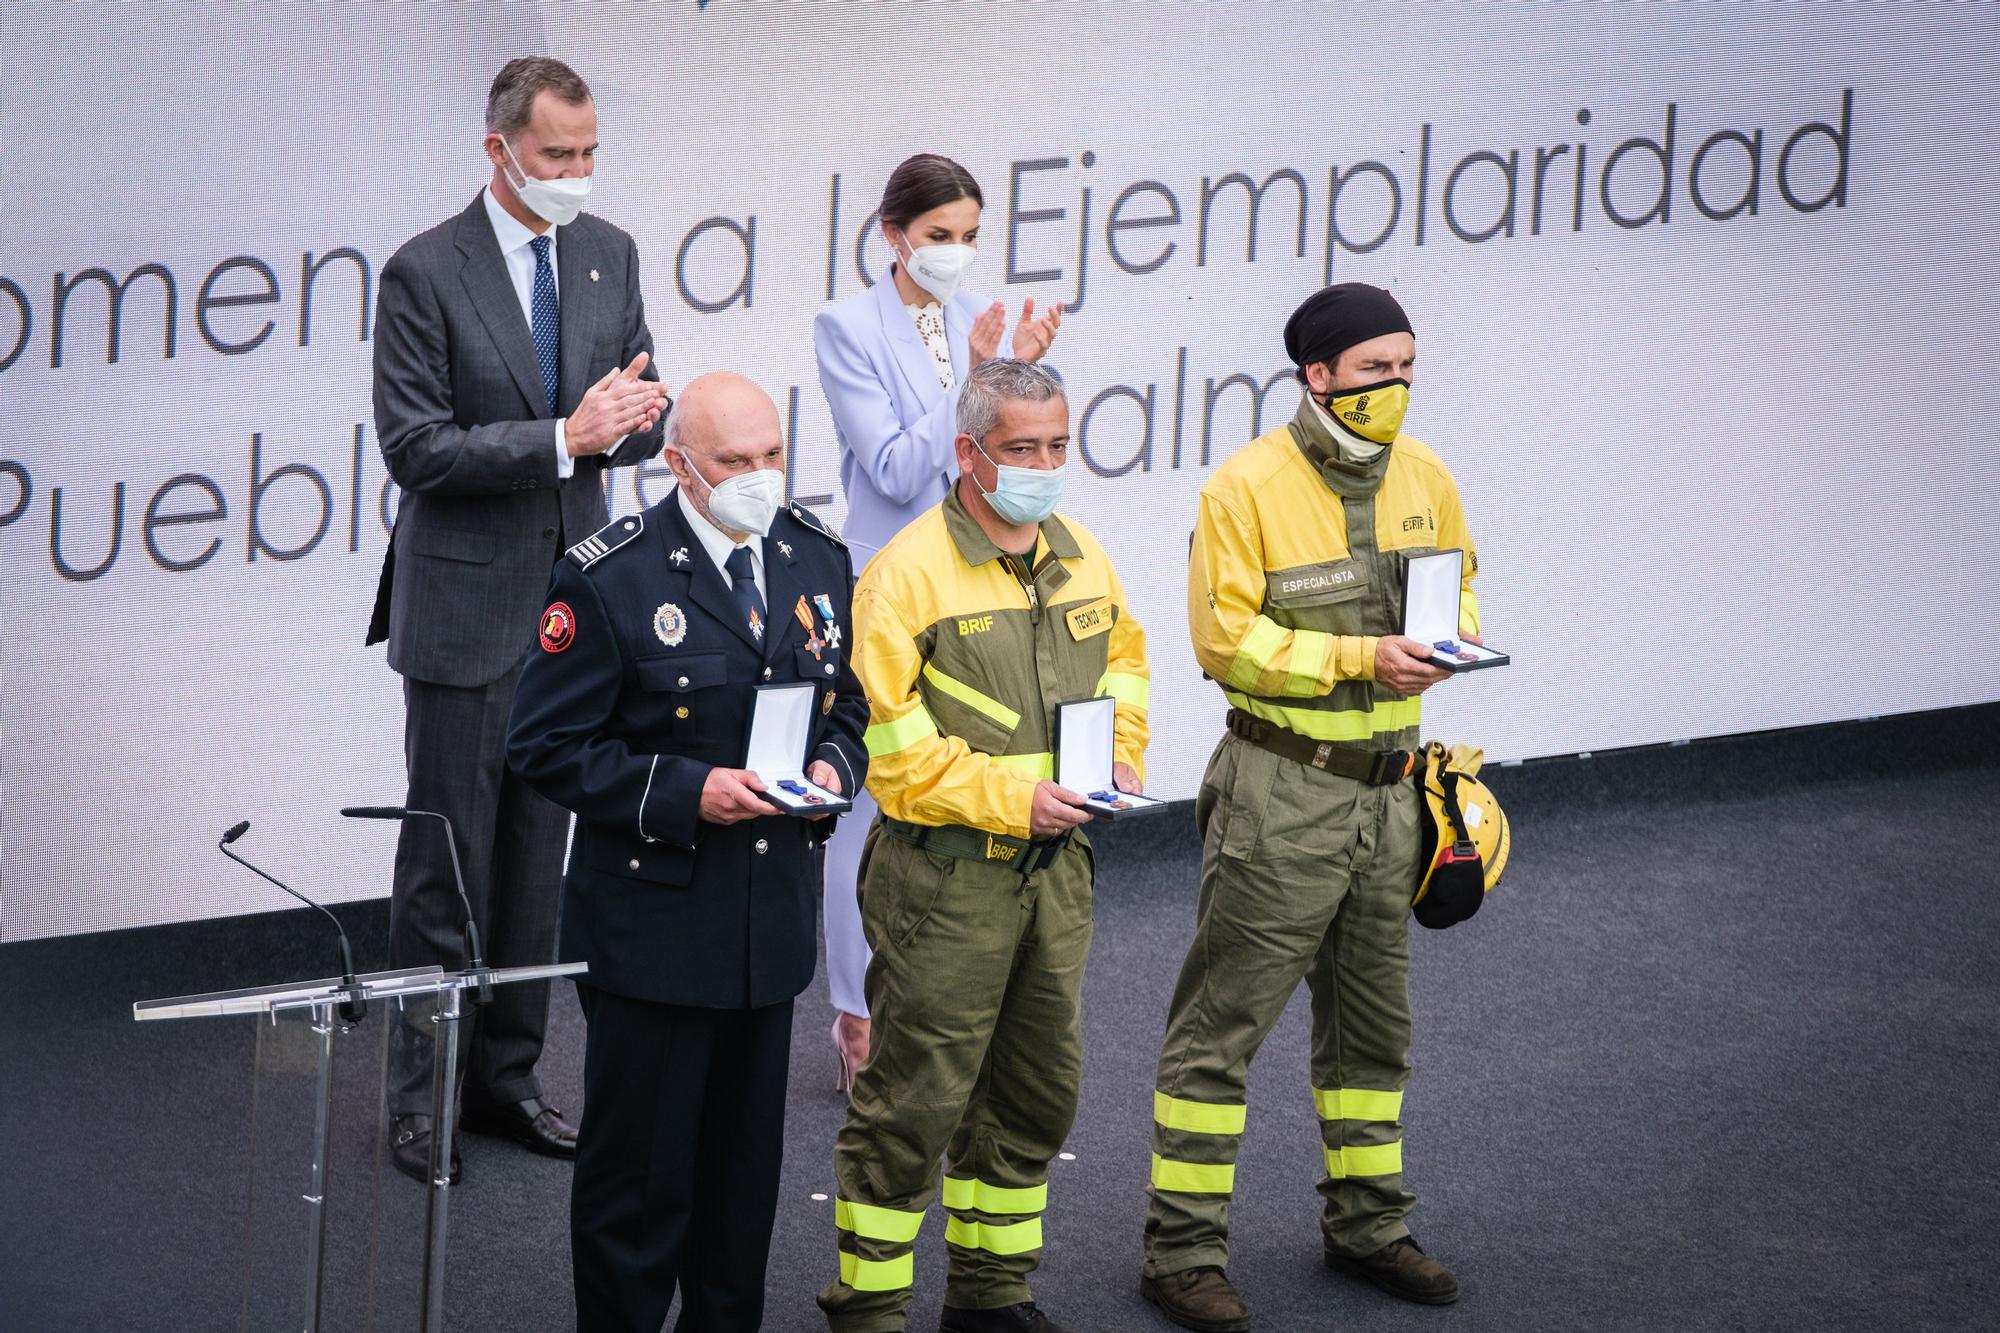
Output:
[[1309, 650], [1383, 1159], [1126, 688], [1039, 765], [1013, 1238], [1468, 611], [1192, 1177], [971, 698], [900, 733], [877, 1274], [1357, 1104], [865, 1219], [1324, 724], [964, 1195], [1260, 645], [1198, 1117]]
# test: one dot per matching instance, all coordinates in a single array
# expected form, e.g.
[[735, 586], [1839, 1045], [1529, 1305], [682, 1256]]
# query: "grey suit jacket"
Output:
[[463, 422]]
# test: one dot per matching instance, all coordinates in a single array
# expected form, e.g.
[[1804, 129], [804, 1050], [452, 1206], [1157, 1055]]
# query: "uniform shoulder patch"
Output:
[[811, 520], [618, 532]]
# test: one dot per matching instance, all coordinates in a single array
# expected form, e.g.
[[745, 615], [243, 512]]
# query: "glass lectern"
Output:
[[331, 1230]]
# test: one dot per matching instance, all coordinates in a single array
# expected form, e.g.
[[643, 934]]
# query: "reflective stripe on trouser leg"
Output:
[[1263, 914], [1361, 1037], [875, 1245], [996, 1173], [909, 1097]]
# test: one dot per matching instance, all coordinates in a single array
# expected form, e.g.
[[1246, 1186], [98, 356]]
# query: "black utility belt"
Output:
[[1377, 768], [971, 844]]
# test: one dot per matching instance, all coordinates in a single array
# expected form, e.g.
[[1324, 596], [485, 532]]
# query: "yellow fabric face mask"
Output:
[[1374, 412]]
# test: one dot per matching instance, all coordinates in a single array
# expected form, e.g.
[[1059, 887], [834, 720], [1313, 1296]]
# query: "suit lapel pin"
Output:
[[785, 550], [593, 275], [680, 556]]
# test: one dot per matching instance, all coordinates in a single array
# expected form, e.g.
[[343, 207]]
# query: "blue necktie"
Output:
[[744, 584], [545, 325]]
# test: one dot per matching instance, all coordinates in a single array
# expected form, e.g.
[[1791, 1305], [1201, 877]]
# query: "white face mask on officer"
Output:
[[746, 502], [556, 202]]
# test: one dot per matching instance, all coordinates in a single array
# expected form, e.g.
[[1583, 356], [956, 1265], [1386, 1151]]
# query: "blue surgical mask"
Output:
[[1022, 495]]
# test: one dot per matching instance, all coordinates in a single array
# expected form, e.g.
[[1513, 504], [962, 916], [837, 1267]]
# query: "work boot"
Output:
[[1401, 1268], [1022, 1318], [1198, 1298]]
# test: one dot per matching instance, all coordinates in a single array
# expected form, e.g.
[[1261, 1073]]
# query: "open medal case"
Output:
[[780, 727], [1085, 732], [1431, 586]]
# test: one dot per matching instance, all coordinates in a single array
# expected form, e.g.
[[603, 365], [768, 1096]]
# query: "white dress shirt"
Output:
[[513, 237], [720, 545]]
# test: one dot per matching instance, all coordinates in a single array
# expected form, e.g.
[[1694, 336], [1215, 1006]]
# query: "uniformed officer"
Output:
[[1309, 833], [975, 623], [690, 898]]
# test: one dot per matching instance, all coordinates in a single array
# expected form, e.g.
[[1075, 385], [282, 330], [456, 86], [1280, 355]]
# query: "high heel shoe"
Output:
[[850, 1049]]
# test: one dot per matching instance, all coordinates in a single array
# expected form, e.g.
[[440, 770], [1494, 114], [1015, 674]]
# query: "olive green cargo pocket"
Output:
[[1245, 776], [1331, 597]]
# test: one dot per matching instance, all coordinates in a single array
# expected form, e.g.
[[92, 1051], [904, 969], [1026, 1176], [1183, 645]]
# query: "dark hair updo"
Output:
[[922, 183]]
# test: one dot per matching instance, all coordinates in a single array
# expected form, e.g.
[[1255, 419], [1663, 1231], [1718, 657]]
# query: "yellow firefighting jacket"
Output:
[[965, 665], [1297, 569]]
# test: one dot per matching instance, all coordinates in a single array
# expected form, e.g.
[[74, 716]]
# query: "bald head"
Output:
[[723, 411], [722, 426]]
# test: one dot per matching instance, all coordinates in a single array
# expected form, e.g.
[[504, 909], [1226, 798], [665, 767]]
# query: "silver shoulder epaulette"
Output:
[[618, 532], [811, 520]]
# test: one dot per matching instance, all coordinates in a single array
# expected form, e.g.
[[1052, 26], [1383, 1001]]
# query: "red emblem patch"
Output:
[[558, 628]]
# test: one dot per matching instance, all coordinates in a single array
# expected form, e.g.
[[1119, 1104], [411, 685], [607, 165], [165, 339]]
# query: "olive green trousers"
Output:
[[976, 1056], [1305, 875]]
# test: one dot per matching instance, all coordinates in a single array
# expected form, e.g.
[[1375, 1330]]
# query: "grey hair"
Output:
[[1002, 379], [519, 82]]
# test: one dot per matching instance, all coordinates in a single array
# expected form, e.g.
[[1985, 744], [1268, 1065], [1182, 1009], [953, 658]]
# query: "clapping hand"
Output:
[[618, 405], [1033, 337], [983, 342]]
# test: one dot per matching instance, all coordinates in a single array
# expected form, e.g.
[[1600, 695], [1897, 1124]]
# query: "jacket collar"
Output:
[[976, 548], [685, 555], [1346, 478], [483, 272], [913, 358]]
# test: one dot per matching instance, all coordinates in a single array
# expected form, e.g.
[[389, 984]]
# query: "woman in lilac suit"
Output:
[[890, 360]]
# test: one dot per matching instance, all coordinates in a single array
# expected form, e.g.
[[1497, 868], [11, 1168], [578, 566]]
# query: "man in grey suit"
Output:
[[511, 369]]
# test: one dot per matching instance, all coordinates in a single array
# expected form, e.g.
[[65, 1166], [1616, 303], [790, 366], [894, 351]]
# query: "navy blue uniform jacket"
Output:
[[643, 680]]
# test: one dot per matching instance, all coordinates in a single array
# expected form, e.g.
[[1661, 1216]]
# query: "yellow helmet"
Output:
[[1465, 836]]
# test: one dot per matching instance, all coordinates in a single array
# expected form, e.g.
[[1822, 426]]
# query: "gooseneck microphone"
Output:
[[475, 963], [354, 1008]]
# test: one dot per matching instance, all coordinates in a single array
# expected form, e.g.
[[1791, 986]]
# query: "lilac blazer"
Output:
[[895, 424]]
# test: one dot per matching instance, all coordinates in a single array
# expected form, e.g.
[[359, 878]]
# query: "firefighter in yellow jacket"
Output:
[[973, 625], [1310, 842]]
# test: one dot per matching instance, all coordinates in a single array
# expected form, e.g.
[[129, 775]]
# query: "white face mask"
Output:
[[747, 502], [556, 202], [938, 269]]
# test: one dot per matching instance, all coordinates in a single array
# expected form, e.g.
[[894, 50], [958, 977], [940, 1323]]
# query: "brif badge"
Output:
[[670, 625]]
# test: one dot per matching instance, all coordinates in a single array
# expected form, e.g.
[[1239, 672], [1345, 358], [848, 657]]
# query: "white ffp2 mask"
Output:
[[746, 502], [939, 269], [556, 202]]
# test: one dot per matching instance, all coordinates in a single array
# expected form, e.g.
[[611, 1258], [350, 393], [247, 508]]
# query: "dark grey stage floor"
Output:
[[1719, 1054]]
